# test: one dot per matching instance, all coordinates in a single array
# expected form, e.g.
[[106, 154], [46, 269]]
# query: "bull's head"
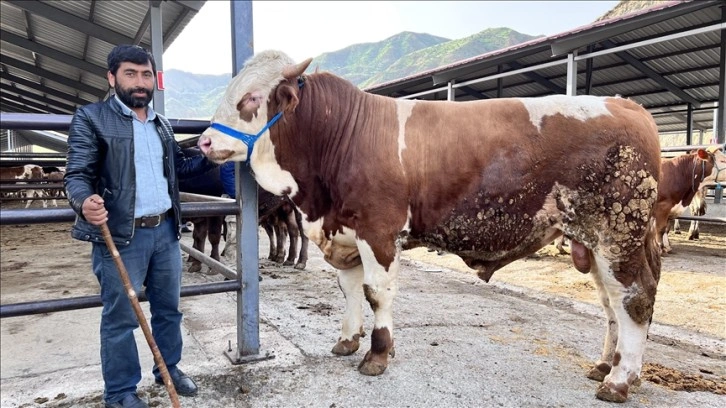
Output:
[[715, 155], [242, 119]]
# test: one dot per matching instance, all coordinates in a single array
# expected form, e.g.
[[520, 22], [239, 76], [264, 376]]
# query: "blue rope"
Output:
[[247, 138]]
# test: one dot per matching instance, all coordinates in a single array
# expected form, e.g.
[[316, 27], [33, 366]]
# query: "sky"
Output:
[[306, 29]]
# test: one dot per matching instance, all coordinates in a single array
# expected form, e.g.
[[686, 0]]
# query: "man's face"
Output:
[[134, 84]]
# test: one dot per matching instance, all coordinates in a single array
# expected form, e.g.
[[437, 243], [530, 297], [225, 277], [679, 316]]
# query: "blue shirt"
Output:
[[152, 189]]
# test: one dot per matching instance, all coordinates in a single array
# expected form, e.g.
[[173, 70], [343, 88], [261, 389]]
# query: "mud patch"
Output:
[[679, 381], [322, 309]]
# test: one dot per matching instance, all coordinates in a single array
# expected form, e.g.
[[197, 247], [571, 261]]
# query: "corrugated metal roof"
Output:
[[662, 76], [53, 54]]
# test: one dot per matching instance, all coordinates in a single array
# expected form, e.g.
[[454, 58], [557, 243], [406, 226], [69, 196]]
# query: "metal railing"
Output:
[[247, 339]]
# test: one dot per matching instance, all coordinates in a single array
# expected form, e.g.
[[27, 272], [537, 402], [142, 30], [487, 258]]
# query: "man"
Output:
[[122, 170]]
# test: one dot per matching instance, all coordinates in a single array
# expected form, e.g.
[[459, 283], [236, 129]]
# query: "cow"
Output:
[[697, 208], [207, 227], [32, 173], [682, 177], [9, 174], [277, 215], [491, 181]]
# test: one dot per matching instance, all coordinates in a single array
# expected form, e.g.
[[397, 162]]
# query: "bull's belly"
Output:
[[487, 243]]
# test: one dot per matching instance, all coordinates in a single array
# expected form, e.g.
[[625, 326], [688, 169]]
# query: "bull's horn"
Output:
[[294, 71]]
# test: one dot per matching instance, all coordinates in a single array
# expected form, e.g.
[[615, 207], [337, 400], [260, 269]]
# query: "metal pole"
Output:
[[572, 74], [248, 297], [157, 49]]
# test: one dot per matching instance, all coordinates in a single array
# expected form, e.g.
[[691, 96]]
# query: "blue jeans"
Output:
[[153, 259]]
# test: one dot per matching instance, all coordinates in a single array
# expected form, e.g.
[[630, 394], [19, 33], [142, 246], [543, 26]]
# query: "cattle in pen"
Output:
[[374, 175], [276, 215], [683, 179]]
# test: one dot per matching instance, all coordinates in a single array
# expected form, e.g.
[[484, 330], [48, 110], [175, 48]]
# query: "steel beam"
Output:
[[44, 10], [52, 76], [52, 53], [43, 88]]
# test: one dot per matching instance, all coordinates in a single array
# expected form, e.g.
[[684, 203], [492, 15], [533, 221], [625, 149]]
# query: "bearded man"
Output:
[[122, 169]]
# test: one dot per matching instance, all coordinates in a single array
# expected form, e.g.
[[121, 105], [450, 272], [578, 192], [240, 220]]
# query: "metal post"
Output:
[[451, 94], [248, 297], [572, 73], [719, 121], [157, 50], [689, 124]]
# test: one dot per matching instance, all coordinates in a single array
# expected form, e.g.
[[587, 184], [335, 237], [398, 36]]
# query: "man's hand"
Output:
[[94, 211]]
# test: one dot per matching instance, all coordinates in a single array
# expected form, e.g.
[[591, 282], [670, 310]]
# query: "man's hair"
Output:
[[129, 53]]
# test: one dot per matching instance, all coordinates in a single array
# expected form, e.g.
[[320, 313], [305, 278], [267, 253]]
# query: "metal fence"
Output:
[[247, 295]]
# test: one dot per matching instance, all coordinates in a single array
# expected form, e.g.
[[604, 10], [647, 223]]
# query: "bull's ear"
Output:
[[702, 154], [286, 96], [294, 71]]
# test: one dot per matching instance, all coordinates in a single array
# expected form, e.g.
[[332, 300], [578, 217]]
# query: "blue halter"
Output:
[[246, 138]]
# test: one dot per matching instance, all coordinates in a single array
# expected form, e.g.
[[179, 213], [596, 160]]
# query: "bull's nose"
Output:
[[205, 144]]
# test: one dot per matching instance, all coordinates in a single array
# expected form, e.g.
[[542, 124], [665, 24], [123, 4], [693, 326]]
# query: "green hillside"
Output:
[[194, 96], [446, 53]]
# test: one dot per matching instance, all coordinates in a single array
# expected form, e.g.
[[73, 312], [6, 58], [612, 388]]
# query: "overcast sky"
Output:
[[305, 29]]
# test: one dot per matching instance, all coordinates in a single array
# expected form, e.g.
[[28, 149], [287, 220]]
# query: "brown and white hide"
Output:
[[682, 185], [491, 181]]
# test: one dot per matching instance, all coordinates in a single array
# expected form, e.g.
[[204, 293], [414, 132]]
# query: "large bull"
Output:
[[492, 181]]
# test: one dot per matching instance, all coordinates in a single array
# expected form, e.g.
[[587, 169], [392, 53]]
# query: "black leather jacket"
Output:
[[101, 161]]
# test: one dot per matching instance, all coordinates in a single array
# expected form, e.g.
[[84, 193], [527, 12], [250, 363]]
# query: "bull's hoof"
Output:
[[693, 237], [300, 265], [599, 372], [612, 392], [195, 268], [288, 263], [371, 367], [346, 347]]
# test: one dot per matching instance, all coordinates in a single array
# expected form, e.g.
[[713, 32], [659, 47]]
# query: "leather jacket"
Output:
[[101, 161]]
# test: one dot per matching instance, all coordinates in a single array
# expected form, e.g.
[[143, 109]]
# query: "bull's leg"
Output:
[[214, 234], [666, 244], [199, 236], [604, 364], [267, 226], [281, 236], [293, 232], [693, 231], [380, 287], [676, 226], [350, 282], [632, 308], [302, 259]]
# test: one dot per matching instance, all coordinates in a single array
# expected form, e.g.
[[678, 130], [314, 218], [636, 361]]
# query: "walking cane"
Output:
[[158, 359]]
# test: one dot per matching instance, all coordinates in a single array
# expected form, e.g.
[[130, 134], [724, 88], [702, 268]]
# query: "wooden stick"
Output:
[[140, 316]]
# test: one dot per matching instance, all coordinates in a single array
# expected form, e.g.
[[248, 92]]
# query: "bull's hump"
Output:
[[579, 108]]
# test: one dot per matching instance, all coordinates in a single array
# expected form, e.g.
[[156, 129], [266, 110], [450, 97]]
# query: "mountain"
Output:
[[446, 53], [359, 62], [628, 6], [193, 96], [366, 64]]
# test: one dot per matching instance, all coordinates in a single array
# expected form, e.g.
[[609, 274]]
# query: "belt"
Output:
[[150, 221]]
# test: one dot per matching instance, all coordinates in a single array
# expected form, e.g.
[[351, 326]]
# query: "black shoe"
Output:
[[184, 385], [129, 401]]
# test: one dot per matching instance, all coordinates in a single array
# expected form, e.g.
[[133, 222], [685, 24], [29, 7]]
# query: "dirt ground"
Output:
[[42, 260], [691, 291]]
